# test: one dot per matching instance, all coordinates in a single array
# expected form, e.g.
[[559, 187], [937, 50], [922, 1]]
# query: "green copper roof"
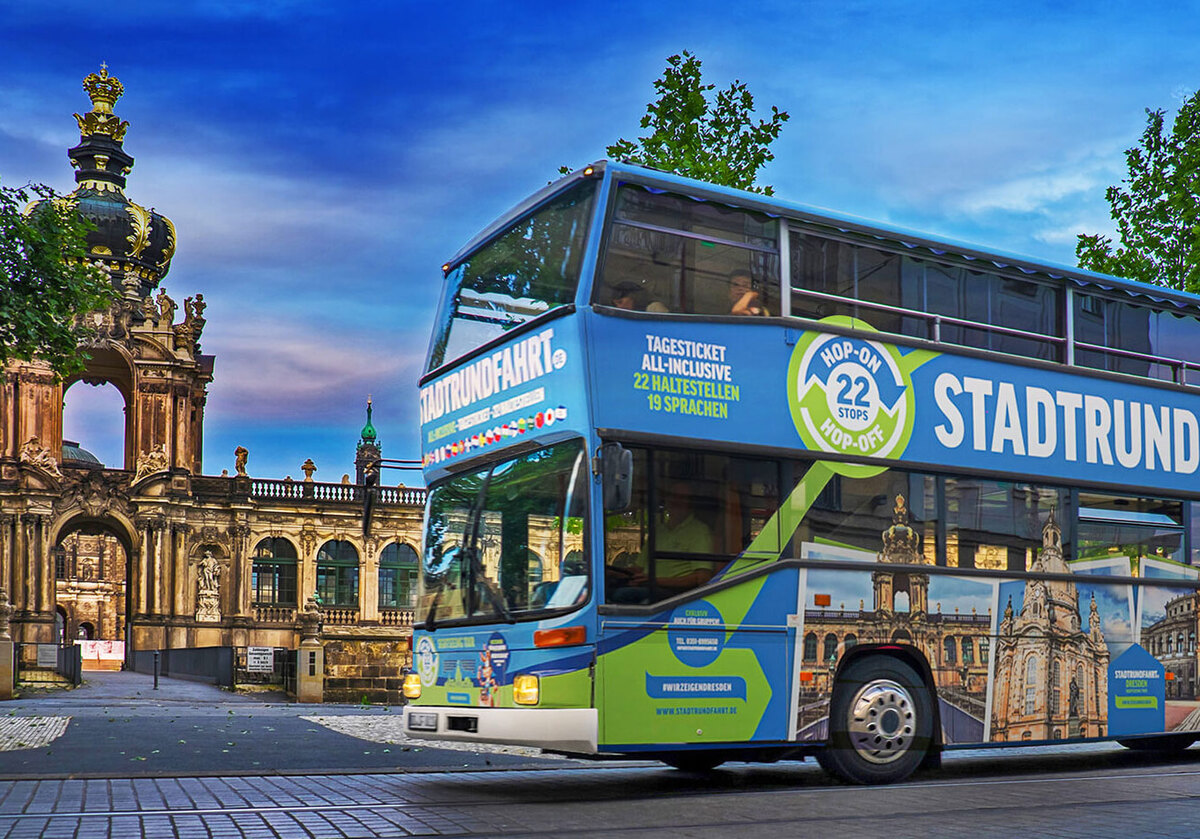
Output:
[[368, 433]]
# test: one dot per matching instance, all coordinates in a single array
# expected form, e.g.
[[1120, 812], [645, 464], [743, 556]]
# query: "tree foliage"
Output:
[[45, 284], [695, 135], [1157, 211]]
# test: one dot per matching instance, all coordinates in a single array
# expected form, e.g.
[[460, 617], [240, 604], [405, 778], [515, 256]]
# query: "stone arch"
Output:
[[108, 602], [112, 363]]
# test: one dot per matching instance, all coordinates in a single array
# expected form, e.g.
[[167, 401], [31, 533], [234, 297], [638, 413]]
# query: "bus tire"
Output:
[[1167, 744], [694, 761], [880, 722]]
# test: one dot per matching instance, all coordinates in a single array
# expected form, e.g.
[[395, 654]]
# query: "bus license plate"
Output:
[[419, 721]]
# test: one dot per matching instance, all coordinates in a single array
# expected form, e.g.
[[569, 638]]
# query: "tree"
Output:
[[45, 283], [1158, 210], [692, 135]]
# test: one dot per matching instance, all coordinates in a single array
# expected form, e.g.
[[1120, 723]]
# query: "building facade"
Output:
[[1051, 667], [152, 551]]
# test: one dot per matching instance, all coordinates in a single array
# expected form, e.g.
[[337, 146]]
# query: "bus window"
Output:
[[690, 515], [853, 515], [1120, 527], [678, 254], [508, 540], [528, 270], [996, 524]]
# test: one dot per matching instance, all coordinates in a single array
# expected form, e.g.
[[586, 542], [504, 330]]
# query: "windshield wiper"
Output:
[[430, 626]]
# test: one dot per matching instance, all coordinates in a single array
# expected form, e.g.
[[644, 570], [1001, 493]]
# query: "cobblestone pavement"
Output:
[[1100, 792], [30, 732]]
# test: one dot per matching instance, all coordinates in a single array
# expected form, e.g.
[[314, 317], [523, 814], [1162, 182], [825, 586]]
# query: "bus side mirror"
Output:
[[616, 475]]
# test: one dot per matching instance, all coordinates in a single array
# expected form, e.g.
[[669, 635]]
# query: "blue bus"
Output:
[[718, 477]]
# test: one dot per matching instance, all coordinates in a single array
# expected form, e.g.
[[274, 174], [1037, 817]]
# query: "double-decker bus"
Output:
[[717, 477]]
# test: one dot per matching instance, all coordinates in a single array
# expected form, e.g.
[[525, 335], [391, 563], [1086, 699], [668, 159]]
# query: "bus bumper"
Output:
[[558, 729]]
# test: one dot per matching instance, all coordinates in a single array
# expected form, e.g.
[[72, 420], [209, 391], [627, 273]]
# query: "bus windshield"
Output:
[[523, 273], [507, 541]]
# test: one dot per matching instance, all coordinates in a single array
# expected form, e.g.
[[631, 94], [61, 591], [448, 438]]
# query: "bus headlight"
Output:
[[525, 689], [412, 686]]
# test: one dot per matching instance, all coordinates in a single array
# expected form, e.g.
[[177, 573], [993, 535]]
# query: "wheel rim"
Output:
[[882, 721]]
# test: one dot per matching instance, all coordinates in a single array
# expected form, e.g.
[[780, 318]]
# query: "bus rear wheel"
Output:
[[1167, 743], [880, 722]]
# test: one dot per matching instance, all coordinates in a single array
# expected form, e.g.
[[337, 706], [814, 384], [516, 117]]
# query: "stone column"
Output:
[[8, 544], [368, 584], [239, 571]]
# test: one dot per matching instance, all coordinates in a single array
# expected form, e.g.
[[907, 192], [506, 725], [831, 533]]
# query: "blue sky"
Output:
[[320, 161]]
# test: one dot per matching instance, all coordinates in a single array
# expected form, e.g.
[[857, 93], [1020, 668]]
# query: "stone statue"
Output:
[[1073, 699], [208, 588], [35, 454], [239, 459], [210, 573], [5, 615], [152, 461], [166, 308]]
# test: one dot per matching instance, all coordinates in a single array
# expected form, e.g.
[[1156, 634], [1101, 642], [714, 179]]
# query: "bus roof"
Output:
[[841, 221]]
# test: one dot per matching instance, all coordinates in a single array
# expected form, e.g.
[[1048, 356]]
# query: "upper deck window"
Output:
[[928, 298], [524, 272], [672, 253]]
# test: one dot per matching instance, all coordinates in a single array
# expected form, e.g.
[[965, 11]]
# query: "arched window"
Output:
[[86, 632], [984, 648], [1179, 647], [850, 641], [397, 576], [1170, 645], [951, 651], [830, 647], [968, 651], [337, 574], [1031, 687], [1192, 641], [273, 573], [810, 647], [1056, 689]]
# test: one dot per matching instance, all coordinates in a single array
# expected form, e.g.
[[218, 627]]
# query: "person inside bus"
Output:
[[743, 297], [677, 530], [625, 296]]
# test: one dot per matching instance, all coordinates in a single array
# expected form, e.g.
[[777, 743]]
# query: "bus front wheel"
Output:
[[880, 722]]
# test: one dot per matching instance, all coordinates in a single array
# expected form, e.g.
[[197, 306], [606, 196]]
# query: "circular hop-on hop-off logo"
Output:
[[850, 396]]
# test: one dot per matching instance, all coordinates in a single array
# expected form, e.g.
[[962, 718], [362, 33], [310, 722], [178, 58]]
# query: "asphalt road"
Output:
[[190, 761], [120, 726]]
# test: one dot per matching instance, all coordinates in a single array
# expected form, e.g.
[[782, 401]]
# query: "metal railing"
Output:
[[934, 322]]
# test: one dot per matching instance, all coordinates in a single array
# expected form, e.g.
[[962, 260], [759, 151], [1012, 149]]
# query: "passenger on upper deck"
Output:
[[743, 297], [625, 295]]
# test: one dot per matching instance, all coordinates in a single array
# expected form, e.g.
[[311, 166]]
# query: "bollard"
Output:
[[156, 669]]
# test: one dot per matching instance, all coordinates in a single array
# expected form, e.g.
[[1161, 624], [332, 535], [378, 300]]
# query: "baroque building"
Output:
[[152, 552], [1172, 640], [1051, 669], [955, 645]]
